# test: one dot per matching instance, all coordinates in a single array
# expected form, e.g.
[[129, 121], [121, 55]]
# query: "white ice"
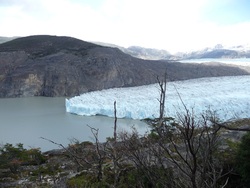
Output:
[[238, 61], [229, 97]]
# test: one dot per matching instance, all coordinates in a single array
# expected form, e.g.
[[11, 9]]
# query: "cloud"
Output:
[[172, 25]]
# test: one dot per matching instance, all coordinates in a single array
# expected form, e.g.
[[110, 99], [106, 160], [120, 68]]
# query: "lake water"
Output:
[[26, 120]]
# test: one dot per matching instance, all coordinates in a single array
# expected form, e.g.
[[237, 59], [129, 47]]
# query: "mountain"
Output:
[[45, 65], [149, 53], [143, 53], [218, 51], [6, 39]]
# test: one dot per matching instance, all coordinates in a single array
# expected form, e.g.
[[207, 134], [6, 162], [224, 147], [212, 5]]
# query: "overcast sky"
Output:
[[173, 25]]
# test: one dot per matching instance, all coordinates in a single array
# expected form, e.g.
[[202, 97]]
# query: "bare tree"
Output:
[[189, 145], [181, 152], [100, 149], [112, 151], [139, 152]]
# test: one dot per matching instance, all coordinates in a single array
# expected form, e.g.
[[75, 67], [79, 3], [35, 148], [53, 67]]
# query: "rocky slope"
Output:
[[63, 66]]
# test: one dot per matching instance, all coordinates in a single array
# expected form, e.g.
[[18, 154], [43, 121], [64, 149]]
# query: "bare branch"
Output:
[[226, 126], [115, 122], [74, 156]]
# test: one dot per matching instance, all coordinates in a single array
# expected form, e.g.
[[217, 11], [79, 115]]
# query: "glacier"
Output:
[[228, 97]]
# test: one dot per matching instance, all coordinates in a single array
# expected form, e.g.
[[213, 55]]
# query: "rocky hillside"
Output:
[[64, 66]]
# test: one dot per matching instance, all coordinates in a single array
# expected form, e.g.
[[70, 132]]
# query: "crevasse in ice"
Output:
[[228, 97]]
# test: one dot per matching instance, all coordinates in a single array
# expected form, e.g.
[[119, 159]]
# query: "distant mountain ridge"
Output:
[[218, 51], [46, 65], [142, 53]]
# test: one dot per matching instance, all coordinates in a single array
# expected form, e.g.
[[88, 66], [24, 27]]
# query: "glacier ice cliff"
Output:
[[228, 97]]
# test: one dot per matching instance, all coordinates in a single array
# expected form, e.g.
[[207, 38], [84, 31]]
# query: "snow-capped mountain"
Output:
[[218, 51]]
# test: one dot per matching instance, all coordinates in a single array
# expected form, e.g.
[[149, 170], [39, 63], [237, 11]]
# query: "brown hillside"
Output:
[[64, 66]]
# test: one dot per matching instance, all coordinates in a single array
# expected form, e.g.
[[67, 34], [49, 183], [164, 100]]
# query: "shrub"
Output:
[[243, 159], [13, 157]]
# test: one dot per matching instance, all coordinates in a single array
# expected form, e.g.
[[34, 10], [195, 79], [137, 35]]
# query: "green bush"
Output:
[[243, 159], [86, 180], [13, 157]]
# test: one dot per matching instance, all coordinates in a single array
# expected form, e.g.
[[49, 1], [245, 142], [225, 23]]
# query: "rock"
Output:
[[63, 66]]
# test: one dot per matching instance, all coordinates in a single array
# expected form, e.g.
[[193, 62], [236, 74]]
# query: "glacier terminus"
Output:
[[228, 97]]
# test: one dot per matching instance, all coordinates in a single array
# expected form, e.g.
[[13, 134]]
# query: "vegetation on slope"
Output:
[[192, 155]]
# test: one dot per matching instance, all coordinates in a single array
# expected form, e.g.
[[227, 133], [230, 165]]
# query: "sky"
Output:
[[172, 25]]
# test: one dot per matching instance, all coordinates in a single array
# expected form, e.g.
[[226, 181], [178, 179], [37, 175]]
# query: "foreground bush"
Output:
[[243, 159], [13, 157]]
